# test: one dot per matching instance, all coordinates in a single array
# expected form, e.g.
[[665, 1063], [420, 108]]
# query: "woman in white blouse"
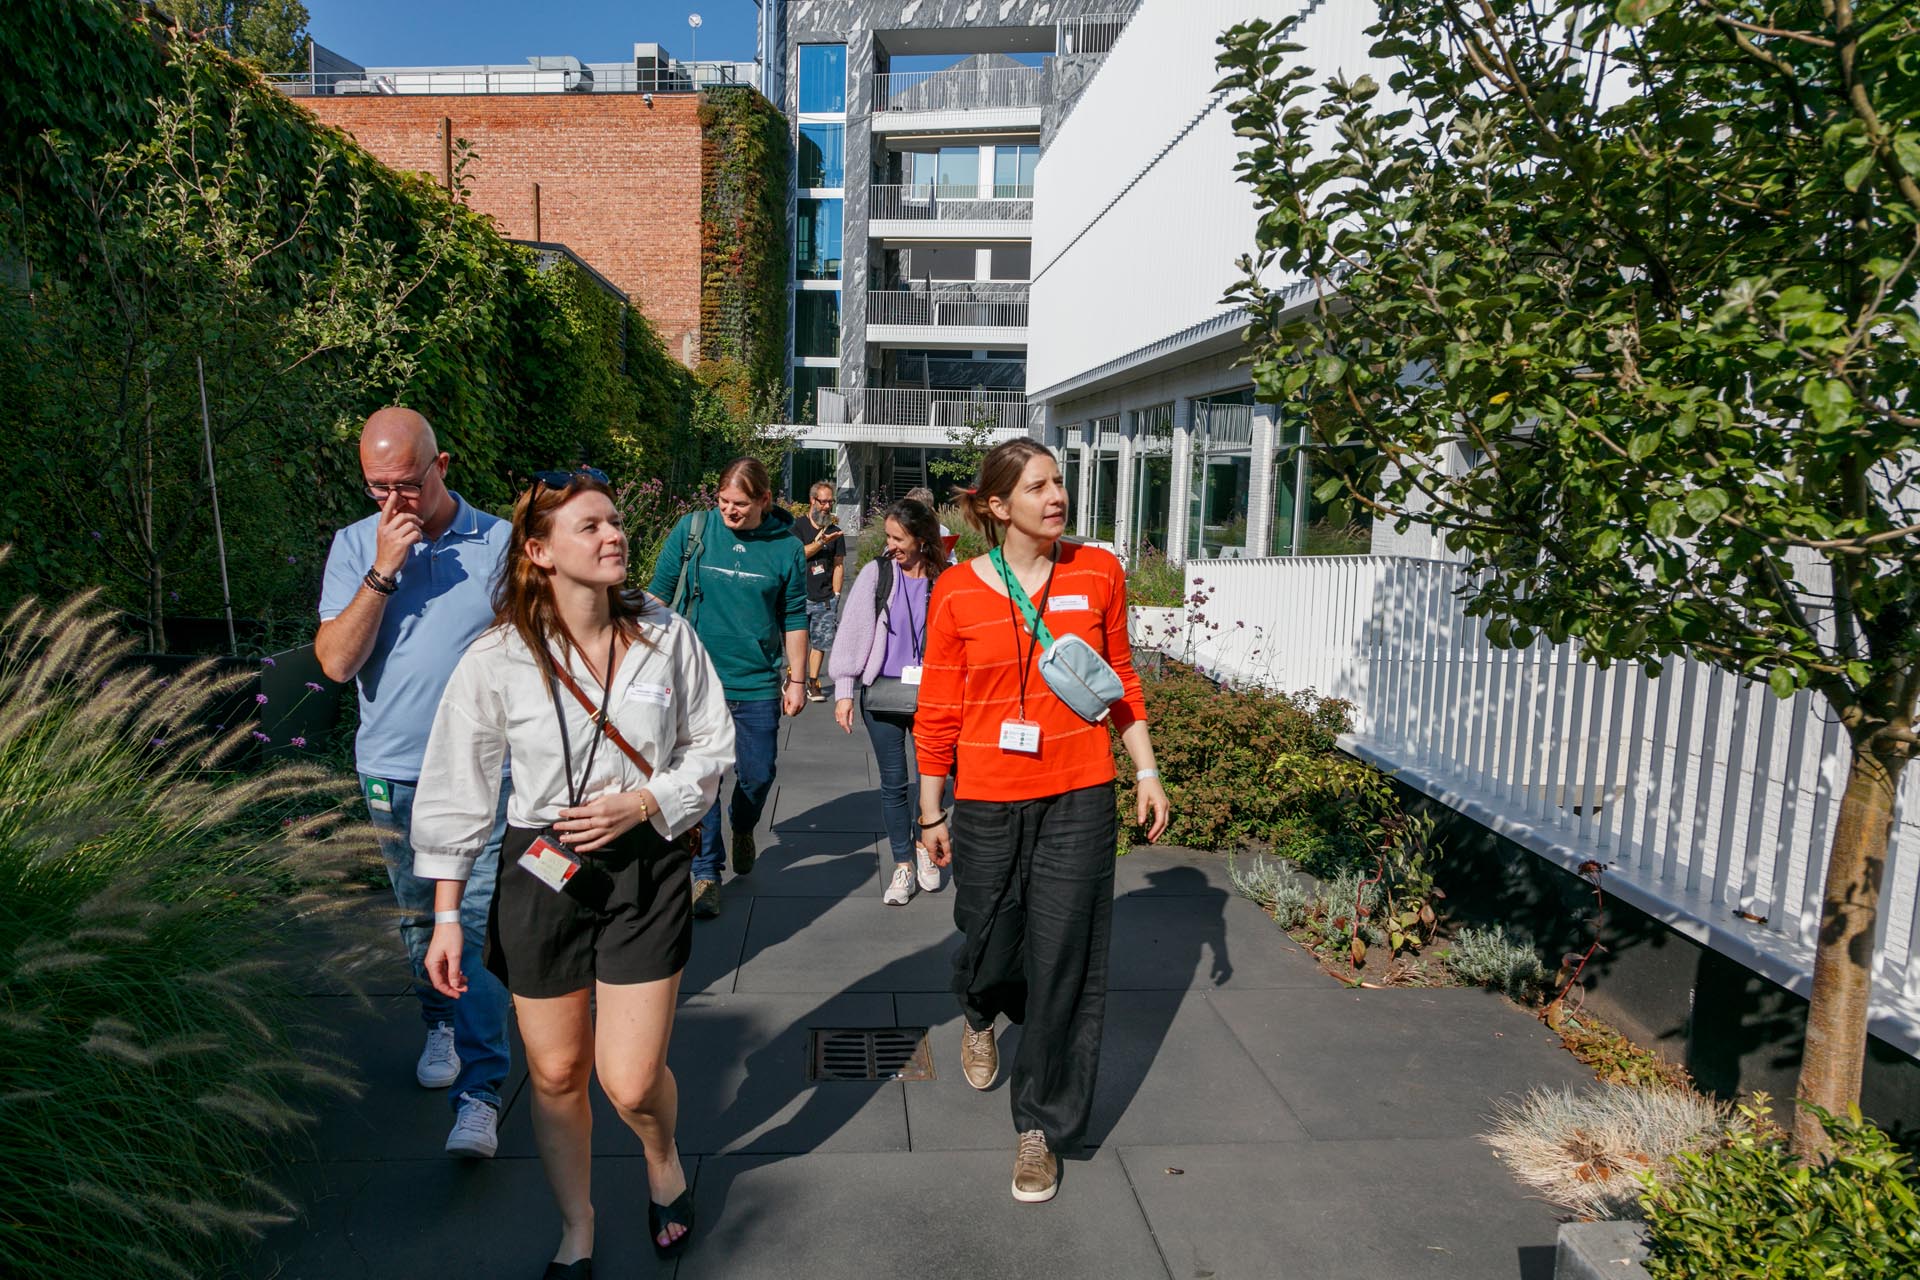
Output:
[[618, 733]]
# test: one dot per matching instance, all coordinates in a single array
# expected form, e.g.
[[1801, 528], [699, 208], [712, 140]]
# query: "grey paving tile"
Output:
[[1148, 871], [1167, 1066], [1349, 1210], [943, 1216], [1171, 943], [741, 1066], [836, 809], [441, 1217], [1396, 1063], [813, 864], [854, 944], [717, 942]]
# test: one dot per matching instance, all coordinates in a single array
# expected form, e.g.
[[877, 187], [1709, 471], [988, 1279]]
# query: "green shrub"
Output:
[[1155, 581], [1216, 749], [1487, 958], [1752, 1210], [148, 1071]]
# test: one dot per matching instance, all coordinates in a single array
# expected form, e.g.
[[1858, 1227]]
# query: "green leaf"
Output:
[[1704, 505], [1643, 445], [1663, 518], [1637, 13], [1605, 544], [1857, 172], [1329, 369], [1784, 681], [1830, 402]]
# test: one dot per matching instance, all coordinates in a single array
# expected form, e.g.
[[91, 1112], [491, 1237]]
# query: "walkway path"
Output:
[[1254, 1119]]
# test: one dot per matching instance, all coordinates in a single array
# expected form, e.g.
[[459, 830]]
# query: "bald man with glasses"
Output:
[[406, 591]]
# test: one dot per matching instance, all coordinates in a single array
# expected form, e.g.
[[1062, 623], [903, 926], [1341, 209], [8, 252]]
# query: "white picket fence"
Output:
[[1711, 802]]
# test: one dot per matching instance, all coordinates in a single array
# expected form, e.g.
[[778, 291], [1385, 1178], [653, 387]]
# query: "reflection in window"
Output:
[[1070, 474], [1013, 172], [816, 322], [1106, 477], [1222, 478], [823, 155], [807, 381], [1336, 527], [1152, 481], [816, 236], [823, 78]]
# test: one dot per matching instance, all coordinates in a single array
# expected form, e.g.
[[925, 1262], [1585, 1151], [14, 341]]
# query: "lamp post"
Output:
[[693, 20]]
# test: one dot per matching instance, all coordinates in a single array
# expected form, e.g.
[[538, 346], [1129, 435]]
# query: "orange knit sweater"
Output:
[[976, 642]]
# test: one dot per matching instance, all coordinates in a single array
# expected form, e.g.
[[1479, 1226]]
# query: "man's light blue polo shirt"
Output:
[[444, 601]]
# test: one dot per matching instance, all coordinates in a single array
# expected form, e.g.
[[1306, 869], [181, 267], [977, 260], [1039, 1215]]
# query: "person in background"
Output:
[[741, 580], [948, 538], [619, 736], [825, 544], [405, 591], [1033, 829], [882, 644]]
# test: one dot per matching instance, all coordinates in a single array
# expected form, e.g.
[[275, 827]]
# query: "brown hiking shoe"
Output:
[[1036, 1172], [743, 851], [706, 899], [979, 1056]]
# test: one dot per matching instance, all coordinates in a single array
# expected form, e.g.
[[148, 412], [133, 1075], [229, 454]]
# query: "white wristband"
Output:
[[447, 917], [1143, 774]]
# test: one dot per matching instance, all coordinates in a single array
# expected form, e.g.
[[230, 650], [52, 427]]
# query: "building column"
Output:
[[854, 244], [1083, 501], [1266, 481], [1179, 519], [1123, 499], [846, 485]]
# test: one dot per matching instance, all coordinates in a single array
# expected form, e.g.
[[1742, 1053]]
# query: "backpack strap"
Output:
[[690, 551], [882, 583]]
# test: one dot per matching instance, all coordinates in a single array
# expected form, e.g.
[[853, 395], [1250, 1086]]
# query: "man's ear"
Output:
[[537, 551], [440, 462]]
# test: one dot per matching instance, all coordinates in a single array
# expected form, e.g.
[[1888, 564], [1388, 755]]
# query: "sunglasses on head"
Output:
[[561, 480]]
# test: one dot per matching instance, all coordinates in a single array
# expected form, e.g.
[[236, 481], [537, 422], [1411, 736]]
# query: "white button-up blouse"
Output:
[[666, 700]]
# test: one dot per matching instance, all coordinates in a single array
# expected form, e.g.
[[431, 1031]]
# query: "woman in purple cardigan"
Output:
[[881, 637]]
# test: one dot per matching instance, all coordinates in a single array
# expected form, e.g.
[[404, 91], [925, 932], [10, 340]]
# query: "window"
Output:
[[940, 262], [823, 155], [823, 78], [1012, 261], [1013, 172], [1337, 527], [1106, 477], [816, 237], [1070, 473], [1222, 477], [816, 322], [808, 467], [1152, 481], [806, 381], [958, 176]]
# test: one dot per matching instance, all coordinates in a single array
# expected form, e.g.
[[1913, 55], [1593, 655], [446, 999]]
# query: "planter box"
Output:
[[291, 710], [1601, 1251]]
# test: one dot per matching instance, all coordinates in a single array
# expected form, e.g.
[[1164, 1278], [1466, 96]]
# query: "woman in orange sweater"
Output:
[[1034, 826]]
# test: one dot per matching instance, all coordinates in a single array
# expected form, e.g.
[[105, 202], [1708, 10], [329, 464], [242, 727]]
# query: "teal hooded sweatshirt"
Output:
[[749, 589]]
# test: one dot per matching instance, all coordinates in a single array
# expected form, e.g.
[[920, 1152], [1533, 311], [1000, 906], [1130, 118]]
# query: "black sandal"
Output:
[[581, 1270], [662, 1216]]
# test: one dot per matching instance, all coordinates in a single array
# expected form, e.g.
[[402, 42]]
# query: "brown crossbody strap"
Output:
[[605, 723]]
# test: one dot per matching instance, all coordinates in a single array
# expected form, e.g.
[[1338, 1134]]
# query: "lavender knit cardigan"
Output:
[[860, 643]]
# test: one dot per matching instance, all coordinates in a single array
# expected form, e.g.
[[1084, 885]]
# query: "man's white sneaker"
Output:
[[902, 887], [476, 1130], [928, 874], [439, 1065]]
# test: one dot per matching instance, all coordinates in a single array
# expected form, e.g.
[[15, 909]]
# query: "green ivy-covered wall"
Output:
[[745, 163]]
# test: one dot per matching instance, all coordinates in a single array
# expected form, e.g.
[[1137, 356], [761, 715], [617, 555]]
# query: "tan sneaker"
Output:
[[706, 899], [979, 1056], [1036, 1171]]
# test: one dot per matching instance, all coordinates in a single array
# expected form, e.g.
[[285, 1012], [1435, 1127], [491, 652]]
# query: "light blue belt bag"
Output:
[[1072, 668]]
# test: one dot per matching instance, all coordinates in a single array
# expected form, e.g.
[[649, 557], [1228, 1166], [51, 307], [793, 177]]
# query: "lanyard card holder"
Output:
[[548, 858]]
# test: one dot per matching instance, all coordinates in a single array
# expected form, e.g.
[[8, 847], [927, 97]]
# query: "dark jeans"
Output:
[[756, 738], [889, 737], [1033, 893]]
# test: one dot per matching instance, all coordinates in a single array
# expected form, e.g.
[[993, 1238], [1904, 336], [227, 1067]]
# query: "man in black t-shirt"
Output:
[[826, 548]]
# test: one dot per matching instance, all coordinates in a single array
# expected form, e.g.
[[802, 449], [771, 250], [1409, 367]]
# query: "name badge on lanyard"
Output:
[[1020, 735], [910, 675]]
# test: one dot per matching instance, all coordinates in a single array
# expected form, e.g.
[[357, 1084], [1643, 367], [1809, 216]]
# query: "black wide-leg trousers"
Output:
[[1033, 893]]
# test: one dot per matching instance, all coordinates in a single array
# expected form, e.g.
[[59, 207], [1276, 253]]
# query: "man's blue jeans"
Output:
[[479, 1017], [756, 739]]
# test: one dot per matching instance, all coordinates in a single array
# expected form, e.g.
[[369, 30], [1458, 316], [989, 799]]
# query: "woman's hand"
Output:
[[939, 842], [601, 821], [843, 714], [443, 960], [1151, 801]]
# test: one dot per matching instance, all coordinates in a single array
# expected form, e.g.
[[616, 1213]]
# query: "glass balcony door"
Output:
[[1222, 479], [1152, 481]]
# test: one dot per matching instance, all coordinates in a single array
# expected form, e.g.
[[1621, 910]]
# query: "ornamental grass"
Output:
[[149, 1073]]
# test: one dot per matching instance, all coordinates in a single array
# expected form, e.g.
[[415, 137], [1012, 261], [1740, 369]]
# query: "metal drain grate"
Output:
[[870, 1053]]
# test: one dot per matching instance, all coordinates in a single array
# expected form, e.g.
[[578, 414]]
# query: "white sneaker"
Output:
[[923, 867], [439, 1065], [476, 1129], [902, 887]]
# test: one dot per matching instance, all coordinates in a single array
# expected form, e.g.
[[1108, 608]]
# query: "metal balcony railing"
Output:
[[975, 89], [683, 77], [1089, 33], [916, 407], [957, 306], [937, 203]]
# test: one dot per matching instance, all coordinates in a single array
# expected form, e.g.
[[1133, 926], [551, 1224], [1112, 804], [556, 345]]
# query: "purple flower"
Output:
[[156, 742], [316, 688], [98, 536], [260, 698], [219, 728], [293, 559], [173, 595], [258, 736], [298, 742], [268, 662]]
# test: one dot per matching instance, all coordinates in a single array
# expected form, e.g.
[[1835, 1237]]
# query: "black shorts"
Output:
[[542, 943]]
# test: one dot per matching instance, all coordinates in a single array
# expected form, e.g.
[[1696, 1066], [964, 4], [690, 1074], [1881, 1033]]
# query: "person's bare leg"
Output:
[[630, 1053], [558, 1035], [814, 658]]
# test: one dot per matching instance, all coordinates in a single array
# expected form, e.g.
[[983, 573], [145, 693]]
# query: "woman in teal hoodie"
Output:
[[741, 580]]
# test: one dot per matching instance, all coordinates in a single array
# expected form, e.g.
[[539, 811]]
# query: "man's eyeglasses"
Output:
[[560, 480], [408, 490]]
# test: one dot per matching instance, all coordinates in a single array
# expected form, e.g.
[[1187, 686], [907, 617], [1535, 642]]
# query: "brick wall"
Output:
[[619, 180]]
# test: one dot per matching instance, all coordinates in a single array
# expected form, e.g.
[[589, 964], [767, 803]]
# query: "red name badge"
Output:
[[552, 863]]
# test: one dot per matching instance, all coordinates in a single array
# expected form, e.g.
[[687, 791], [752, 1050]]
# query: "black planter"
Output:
[[292, 710]]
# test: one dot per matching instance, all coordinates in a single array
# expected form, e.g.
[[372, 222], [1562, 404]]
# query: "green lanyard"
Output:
[[1037, 629]]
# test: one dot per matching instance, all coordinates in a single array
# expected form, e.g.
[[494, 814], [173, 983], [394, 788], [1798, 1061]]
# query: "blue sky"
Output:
[[426, 32]]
